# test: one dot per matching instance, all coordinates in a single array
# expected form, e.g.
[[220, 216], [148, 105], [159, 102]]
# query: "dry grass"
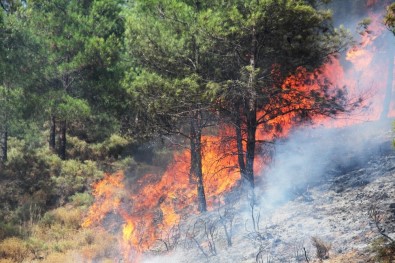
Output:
[[60, 238], [14, 249], [349, 257], [68, 216]]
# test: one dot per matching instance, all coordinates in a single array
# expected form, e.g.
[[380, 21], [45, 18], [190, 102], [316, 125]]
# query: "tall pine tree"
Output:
[[83, 41]]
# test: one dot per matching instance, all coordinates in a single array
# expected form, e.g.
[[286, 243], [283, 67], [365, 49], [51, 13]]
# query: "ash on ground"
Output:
[[333, 210]]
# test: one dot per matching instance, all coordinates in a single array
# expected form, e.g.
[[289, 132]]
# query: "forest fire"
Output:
[[157, 207]]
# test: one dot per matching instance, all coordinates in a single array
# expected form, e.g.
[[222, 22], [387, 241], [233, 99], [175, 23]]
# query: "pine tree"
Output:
[[82, 41], [262, 43], [165, 39]]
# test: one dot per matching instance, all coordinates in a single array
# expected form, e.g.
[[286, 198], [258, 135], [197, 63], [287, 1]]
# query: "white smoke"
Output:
[[310, 155]]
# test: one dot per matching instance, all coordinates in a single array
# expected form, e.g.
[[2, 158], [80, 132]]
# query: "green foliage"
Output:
[[12, 107], [389, 18], [74, 176], [37, 247], [110, 149], [82, 199], [71, 109], [47, 220], [79, 149], [82, 45], [27, 172], [113, 146], [8, 230], [29, 211], [176, 60], [110, 68], [99, 126], [36, 178]]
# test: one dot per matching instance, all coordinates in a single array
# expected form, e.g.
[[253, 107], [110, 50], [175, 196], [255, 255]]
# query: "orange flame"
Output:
[[157, 205]]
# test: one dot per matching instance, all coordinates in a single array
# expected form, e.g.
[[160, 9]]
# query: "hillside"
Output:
[[333, 207]]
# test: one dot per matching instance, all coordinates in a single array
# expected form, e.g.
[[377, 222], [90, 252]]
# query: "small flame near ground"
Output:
[[157, 207]]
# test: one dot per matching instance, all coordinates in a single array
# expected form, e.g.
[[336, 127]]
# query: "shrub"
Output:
[[75, 176], [27, 189], [31, 167], [78, 149], [383, 250], [68, 216], [14, 248], [37, 247], [47, 220], [89, 237], [114, 146], [82, 199], [57, 232], [104, 246], [127, 164], [322, 248], [8, 230], [63, 246], [29, 211]]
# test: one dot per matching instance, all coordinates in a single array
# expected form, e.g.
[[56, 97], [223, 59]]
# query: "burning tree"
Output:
[[274, 52], [263, 66], [176, 62], [258, 60]]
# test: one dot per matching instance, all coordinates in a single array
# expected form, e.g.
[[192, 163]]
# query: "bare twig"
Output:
[[376, 216], [305, 255]]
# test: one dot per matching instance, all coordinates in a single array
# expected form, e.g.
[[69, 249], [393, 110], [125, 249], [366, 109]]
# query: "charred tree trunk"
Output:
[[239, 140], [250, 109], [196, 159], [52, 134], [388, 93], [196, 135], [237, 118], [63, 140], [250, 154]]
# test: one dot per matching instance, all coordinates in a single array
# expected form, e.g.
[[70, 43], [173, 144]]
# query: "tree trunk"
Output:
[[196, 136], [250, 154], [52, 134], [63, 140], [239, 140], [5, 145], [196, 160], [250, 112]]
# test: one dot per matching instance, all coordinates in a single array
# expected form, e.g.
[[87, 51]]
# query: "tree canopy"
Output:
[[91, 87], [389, 18], [198, 60]]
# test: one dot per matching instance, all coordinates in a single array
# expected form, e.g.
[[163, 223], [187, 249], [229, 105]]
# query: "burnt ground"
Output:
[[334, 210]]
